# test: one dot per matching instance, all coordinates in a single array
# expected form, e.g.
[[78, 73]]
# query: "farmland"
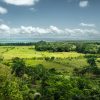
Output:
[[33, 57], [8, 52]]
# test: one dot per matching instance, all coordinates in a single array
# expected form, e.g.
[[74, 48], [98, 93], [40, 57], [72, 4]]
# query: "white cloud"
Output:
[[21, 2], [33, 30], [54, 29], [3, 10], [87, 25], [81, 32], [50, 31], [83, 3], [4, 27]]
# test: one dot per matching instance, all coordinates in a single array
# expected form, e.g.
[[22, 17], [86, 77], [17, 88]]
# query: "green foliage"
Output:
[[9, 88], [11, 91], [51, 77], [91, 61], [92, 48], [55, 47], [18, 67], [1, 58], [49, 85]]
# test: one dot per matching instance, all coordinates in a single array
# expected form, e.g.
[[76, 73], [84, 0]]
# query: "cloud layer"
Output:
[[3, 10], [87, 25], [50, 31], [21, 2]]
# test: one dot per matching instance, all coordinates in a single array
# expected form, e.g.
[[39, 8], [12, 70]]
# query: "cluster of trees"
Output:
[[92, 48], [55, 46], [81, 47], [21, 82], [91, 69]]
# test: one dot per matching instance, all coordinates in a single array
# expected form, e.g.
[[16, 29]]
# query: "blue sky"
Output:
[[73, 19]]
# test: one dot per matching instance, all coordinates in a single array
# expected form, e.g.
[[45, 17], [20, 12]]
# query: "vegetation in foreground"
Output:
[[72, 76]]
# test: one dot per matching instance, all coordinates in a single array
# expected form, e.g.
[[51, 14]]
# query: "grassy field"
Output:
[[8, 52], [65, 61]]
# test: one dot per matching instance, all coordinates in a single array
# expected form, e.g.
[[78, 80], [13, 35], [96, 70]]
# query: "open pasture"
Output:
[[62, 60], [8, 52]]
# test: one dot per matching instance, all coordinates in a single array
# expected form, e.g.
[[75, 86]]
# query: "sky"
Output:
[[70, 19]]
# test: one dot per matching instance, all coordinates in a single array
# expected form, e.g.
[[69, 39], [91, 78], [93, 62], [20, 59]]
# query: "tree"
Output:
[[9, 86], [91, 61], [1, 58], [18, 67]]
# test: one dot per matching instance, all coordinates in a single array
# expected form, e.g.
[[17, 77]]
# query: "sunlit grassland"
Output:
[[63, 61], [29, 52], [65, 65], [32, 57]]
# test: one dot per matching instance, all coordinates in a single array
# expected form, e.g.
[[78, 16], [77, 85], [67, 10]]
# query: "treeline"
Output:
[[92, 48], [17, 44]]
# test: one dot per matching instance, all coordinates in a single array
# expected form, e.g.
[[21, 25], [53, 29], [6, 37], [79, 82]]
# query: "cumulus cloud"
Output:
[[21, 2], [3, 10], [81, 32], [54, 29], [4, 27], [50, 31], [87, 25], [83, 3]]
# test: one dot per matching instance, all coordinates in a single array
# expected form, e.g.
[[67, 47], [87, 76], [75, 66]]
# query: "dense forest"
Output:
[[21, 82], [82, 47]]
